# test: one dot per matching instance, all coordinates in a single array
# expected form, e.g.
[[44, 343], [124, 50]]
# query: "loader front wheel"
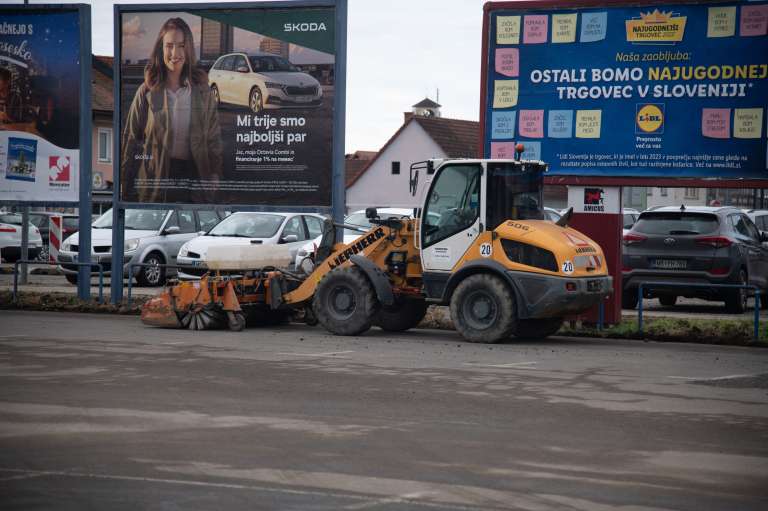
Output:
[[345, 302], [406, 313], [483, 309]]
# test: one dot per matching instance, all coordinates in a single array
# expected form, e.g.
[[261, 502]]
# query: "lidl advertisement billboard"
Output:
[[40, 66], [654, 90], [230, 105]]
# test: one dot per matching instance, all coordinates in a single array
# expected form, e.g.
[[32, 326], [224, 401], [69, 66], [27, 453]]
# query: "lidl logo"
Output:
[[649, 119], [656, 27]]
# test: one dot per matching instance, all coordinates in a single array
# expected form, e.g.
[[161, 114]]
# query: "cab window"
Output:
[[453, 204]]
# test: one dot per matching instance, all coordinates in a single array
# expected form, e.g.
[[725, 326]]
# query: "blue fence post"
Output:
[[757, 313], [640, 309]]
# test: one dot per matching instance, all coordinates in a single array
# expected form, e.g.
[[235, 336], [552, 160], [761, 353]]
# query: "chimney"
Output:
[[407, 116]]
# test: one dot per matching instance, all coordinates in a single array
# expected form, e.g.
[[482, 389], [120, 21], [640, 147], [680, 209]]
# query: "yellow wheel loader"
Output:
[[478, 243]]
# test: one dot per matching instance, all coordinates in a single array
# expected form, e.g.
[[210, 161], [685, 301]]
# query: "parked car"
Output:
[[630, 217], [42, 220], [10, 238], [552, 214], [152, 236], [695, 245], [262, 81], [358, 219], [759, 217], [247, 228]]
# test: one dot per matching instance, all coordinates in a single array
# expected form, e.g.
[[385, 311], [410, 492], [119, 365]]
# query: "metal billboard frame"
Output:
[[524, 5], [338, 191], [84, 203]]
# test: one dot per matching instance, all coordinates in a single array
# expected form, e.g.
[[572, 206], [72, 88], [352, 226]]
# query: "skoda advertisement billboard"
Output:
[[229, 105], [629, 90]]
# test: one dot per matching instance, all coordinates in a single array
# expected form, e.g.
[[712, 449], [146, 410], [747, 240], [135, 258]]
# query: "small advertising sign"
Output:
[[595, 199], [40, 61]]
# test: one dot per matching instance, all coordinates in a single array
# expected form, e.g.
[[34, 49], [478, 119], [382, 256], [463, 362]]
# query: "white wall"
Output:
[[675, 197], [378, 187]]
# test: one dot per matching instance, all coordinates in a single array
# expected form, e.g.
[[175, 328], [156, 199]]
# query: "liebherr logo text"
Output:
[[356, 247], [304, 27]]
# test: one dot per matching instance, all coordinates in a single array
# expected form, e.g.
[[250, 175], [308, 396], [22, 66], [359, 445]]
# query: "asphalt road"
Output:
[[100, 412]]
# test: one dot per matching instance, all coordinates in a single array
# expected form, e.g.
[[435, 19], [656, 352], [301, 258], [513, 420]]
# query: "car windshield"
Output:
[[135, 219], [10, 218], [270, 63], [358, 219], [676, 223], [248, 225]]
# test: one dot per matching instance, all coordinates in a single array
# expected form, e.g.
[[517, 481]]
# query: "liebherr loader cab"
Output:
[[480, 244], [487, 251]]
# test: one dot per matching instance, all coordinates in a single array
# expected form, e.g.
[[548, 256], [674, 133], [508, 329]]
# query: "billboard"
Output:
[[230, 105], [40, 69], [643, 90]]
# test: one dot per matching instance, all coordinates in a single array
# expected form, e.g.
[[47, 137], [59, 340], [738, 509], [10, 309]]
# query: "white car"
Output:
[[248, 228], [358, 219], [630, 217], [262, 81], [10, 238]]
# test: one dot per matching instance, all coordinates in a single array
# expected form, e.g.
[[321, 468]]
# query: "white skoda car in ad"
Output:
[[262, 81]]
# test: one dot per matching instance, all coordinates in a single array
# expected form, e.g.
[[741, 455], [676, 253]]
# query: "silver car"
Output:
[[152, 236]]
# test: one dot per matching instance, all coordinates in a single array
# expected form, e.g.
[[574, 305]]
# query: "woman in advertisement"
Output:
[[172, 142]]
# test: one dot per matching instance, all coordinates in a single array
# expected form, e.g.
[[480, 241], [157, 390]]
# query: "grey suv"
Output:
[[702, 245]]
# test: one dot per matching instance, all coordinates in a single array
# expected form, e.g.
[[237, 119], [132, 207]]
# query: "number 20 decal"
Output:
[[486, 250], [567, 267]]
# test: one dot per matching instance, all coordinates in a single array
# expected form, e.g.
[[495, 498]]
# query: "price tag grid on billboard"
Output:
[[677, 90]]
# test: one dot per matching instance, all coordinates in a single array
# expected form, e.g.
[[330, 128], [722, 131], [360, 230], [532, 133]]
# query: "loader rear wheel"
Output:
[[483, 309], [406, 313], [537, 328], [345, 302]]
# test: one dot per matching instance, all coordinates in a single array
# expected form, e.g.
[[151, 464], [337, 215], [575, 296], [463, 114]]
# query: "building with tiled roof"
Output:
[[384, 181], [102, 103]]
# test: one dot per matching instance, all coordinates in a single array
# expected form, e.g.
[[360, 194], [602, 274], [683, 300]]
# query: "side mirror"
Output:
[[173, 229], [242, 69], [202, 233], [289, 238], [763, 236], [371, 213], [563, 222]]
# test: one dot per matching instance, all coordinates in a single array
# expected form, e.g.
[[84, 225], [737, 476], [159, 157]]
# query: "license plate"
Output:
[[669, 264], [303, 99], [197, 263]]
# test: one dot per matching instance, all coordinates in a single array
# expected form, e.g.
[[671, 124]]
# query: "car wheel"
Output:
[[72, 279], [629, 298], [154, 275], [255, 100], [668, 300], [736, 299], [483, 309], [43, 255], [216, 96]]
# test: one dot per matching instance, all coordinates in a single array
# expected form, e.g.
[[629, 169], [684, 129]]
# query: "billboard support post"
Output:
[[339, 199], [84, 208], [24, 241], [118, 213]]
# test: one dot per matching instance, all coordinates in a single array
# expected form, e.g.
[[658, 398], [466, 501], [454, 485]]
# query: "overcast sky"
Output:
[[399, 52]]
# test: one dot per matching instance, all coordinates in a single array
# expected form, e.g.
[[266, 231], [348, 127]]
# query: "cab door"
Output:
[[451, 217]]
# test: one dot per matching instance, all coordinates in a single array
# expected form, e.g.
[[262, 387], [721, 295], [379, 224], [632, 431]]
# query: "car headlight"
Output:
[[66, 246], [131, 244], [184, 250], [273, 85]]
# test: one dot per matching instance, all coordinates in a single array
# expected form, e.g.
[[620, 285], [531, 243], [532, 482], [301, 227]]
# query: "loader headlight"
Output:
[[131, 244]]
